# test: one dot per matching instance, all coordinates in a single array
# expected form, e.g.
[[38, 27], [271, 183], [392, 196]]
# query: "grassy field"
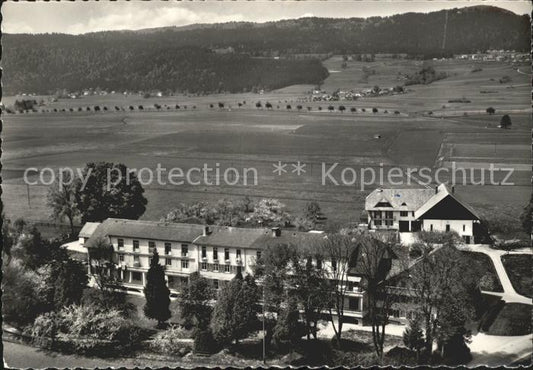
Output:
[[247, 137], [513, 319], [518, 267]]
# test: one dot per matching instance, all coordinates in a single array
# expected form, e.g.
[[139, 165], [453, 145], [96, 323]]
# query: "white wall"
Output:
[[455, 225]]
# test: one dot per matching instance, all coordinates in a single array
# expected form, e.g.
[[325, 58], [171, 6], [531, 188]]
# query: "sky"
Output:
[[81, 17]]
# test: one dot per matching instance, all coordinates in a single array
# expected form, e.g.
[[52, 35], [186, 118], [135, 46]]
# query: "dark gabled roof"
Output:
[[435, 207], [148, 230], [232, 237]]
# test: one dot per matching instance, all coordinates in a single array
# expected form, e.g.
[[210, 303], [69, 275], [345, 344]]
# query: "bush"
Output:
[[86, 329], [21, 301], [204, 342], [169, 342]]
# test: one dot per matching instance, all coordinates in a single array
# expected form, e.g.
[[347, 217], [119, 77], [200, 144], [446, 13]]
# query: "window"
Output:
[[431, 227], [120, 243], [238, 252], [184, 264], [121, 258], [135, 245], [136, 259], [226, 254], [227, 268], [377, 222], [151, 245], [404, 213], [168, 248], [136, 276], [388, 214], [413, 213], [215, 254], [318, 264], [258, 254], [168, 262], [204, 266], [204, 252], [216, 267], [353, 304], [184, 250], [215, 284], [464, 227], [447, 228], [334, 265]]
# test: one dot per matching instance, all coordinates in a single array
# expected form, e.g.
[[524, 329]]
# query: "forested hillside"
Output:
[[142, 66], [180, 59]]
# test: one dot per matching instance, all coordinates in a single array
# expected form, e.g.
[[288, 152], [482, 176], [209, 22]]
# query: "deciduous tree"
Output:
[[62, 200], [194, 301], [109, 190]]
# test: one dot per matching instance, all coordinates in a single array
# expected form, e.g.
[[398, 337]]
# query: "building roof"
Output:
[[288, 237], [88, 229], [399, 199], [149, 230], [231, 237], [441, 194]]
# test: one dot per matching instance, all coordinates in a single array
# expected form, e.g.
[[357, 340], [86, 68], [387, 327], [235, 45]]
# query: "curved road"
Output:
[[509, 294]]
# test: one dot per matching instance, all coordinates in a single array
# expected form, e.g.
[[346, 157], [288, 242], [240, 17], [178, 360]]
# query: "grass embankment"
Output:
[[518, 267]]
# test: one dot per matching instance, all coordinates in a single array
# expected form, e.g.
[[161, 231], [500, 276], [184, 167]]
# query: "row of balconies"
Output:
[[124, 264], [238, 260]]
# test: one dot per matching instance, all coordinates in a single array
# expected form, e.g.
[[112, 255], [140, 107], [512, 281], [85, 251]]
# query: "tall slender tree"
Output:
[[156, 292], [62, 199], [341, 251], [194, 302], [235, 312]]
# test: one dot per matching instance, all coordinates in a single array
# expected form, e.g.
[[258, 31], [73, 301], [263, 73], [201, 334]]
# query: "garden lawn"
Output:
[[518, 267], [514, 319]]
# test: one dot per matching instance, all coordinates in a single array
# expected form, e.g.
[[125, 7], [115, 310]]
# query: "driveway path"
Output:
[[509, 294]]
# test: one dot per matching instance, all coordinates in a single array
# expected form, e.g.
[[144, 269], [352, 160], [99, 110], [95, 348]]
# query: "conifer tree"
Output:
[[156, 292]]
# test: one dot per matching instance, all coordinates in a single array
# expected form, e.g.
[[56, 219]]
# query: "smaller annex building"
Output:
[[408, 211]]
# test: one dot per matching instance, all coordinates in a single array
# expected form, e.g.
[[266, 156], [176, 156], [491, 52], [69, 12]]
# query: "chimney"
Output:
[[206, 230], [276, 231]]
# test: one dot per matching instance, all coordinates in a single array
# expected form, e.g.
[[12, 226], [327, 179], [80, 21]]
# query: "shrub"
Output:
[[204, 342], [374, 110], [169, 342], [21, 303], [86, 329]]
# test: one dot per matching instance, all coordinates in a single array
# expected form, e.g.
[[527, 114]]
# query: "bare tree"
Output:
[[341, 253], [374, 264]]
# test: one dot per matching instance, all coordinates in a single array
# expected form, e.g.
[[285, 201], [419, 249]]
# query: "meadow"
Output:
[[249, 137]]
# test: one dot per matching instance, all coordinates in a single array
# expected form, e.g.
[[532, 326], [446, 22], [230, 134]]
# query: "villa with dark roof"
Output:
[[408, 211]]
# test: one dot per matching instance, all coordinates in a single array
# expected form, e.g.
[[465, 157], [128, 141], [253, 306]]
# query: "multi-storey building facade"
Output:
[[217, 253], [408, 211]]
